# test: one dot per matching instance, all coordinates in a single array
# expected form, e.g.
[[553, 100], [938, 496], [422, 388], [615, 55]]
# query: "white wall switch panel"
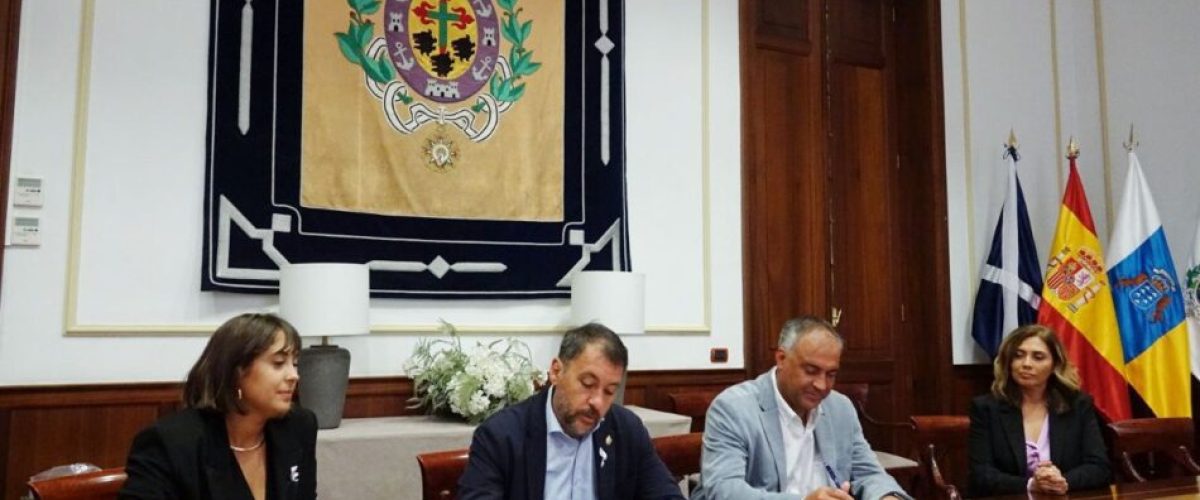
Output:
[[26, 231], [27, 192]]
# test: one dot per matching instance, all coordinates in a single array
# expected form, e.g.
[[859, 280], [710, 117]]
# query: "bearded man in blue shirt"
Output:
[[570, 442]]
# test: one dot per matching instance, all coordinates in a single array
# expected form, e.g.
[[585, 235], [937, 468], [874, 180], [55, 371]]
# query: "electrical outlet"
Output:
[[719, 355]]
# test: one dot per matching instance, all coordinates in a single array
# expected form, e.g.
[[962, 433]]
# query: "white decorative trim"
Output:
[[245, 60], [587, 249], [229, 213]]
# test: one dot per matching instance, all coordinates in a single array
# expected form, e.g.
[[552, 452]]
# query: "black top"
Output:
[[186, 456], [997, 447], [508, 457]]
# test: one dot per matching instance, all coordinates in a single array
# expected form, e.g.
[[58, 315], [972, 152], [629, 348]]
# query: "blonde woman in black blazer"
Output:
[[240, 436], [1035, 397]]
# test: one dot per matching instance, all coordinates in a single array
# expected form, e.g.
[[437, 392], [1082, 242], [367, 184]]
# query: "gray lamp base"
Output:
[[324, 374]]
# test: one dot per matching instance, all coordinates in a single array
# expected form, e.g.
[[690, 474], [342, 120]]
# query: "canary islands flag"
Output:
[[1149, 302], [1077, 303]]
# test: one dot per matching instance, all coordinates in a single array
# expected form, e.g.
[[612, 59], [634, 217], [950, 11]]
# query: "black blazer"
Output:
[[508, 457], [187, 456], [997, 447]]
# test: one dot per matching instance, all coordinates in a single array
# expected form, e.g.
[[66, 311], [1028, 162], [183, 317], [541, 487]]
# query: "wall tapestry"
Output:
[[461, 148]]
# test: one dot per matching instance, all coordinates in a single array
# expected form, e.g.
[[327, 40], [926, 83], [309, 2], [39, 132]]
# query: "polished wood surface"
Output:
[[1163, 489], [941, 445], [45, 426], [99, 485], [440, 471], [836, 211], [10, 24], [680, 453], [1168, 439]]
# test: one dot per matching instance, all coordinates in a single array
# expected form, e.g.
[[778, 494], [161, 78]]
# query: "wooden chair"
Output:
[[941, 442], [1147, 439], [440, 471], [693, 404], [904, 469], [96, 485], [681, 454]]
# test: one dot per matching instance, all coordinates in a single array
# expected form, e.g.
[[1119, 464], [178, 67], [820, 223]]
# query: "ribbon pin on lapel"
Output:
[[295, 473], [604, 454]]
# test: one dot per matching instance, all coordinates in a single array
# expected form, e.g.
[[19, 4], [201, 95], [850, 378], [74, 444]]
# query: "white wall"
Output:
[[1004, 61], [140, 179]]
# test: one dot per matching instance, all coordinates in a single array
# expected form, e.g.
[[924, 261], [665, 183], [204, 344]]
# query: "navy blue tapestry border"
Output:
[[254, 222]]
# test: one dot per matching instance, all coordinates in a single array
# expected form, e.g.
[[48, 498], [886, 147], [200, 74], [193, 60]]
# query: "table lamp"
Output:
[[325, 300], [616, 299]]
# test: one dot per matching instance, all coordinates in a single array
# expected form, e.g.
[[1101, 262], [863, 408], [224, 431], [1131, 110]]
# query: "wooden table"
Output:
[[1167, 489], [368, 458]]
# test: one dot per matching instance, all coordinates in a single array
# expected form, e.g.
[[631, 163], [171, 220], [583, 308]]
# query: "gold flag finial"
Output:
[[1133, 142], [835, 316], [1072, 149], [1012, 139]]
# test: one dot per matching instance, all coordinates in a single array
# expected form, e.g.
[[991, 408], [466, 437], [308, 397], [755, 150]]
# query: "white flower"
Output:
[[478, 403], [495, 386]]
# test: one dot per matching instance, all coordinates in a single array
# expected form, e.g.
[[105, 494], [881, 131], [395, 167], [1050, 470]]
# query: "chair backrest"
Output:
[[1145, 440], [96, 485], [693, 404], [681, 454], [440, 471], [941, 442]]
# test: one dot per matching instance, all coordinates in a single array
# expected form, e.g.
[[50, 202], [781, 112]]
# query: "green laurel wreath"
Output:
[[1193, 277], [521, 60], [354, 44]]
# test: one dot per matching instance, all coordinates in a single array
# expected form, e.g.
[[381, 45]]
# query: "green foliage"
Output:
[[519, 59], [358, 35]]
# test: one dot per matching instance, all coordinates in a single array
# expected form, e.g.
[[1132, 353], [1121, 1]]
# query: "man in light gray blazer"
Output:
[[787, 434]]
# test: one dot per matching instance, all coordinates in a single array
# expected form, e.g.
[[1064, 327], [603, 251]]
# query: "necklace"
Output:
[[249, 448]]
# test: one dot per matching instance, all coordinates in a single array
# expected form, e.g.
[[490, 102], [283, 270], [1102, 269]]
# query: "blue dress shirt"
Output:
[[570, 470]]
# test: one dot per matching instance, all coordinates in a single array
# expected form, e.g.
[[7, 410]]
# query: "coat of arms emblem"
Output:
[[1150, 292], [448, 53], [1076, 276]]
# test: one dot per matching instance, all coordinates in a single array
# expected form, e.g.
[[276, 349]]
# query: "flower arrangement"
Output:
[[473, 384]]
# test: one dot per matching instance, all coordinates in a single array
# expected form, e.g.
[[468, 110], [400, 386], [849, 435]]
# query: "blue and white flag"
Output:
[[1149, 302], [1010, 281]]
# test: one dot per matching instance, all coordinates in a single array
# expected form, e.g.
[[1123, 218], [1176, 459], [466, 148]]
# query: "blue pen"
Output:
[[832, 476]]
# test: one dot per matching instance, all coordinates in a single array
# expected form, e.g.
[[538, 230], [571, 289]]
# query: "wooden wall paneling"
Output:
[[5, 431], [922, 183], [864, 268], [44, 426], [97, 435], [783, 179], [10, 22], [783, 25], [858, 31]]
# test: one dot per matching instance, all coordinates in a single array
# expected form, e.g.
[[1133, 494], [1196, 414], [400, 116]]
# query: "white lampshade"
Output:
[[614, 299], [326, 299]]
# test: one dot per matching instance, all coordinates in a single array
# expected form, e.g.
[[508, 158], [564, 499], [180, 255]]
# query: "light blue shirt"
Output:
[[570, 470]]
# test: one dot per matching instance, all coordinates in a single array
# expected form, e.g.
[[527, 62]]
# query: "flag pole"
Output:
[[1133, 142], [1010, 147]]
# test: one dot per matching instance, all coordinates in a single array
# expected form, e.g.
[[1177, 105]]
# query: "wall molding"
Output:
[[73, 327]]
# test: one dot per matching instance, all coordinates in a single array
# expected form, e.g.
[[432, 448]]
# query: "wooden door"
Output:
[[826, 218]]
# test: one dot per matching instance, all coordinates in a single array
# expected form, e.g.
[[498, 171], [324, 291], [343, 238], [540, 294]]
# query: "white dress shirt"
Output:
[[804, 468]]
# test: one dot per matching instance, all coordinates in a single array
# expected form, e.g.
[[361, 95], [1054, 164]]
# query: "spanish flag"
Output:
[[1077, 304], [1149, 303]]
